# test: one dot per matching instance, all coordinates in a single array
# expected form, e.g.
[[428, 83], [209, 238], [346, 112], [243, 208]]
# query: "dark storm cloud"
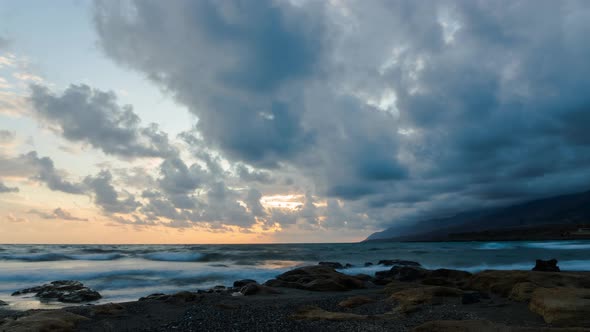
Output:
[[6, 189], [393, 110], [88, 115], [58, 213], [234, 64]]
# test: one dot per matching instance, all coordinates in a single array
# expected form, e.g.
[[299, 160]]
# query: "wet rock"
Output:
[[355, 301], [315, 313], [68, 291], [391, 262], [54, 320], [244, 282], [546, 266], [3, 303], [334, 265], [562, 306], [316, 278], [367, 264], [460, 325]]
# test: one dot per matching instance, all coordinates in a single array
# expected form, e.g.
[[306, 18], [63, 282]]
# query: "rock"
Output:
[[562, 306], [348, 265], [182, 297], [438, 282], [334, 265], [3, 303], [316, 278], [459, 326], [315, 313], [483, 326], [68, 291], [243, 282], [502, 282], [390, 262], [546, 266], [470, 297], [109, 309], [424, 295], [363, 277], [53, 320], [403, 273], [253, 289], [522, 291], [367, 264], [355, 301], [450, 274], [155, 296]]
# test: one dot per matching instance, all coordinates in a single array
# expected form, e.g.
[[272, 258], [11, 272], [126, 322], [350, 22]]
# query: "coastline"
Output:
[[399, 298]]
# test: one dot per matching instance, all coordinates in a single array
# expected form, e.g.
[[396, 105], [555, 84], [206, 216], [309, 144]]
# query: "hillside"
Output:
[[547, 218]]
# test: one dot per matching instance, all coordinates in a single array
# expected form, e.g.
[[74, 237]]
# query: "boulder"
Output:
[[243, 282], [53, 320], [502, 282], [316, 278], [403, 273], [410, 299], [483, 326], [3, 303], [522, 291], [315, 313], [367, 264], [546, 266], [401, 262], [109, 309], [460, 326], [355, 301], [68, 291], [562, 306], [254, 288]]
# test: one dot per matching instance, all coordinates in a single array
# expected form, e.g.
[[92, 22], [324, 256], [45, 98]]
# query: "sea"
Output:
[[127, 272]]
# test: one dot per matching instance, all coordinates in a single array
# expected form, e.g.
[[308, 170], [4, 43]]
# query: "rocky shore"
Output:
[[402, 297]]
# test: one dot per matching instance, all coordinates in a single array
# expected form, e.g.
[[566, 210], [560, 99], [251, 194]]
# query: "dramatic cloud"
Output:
[[107, 197], [58, 213], [88, 115], [39, 169], [388, 110]]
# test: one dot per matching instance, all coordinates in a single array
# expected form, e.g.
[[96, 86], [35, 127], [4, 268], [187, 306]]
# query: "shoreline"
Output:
[[403, 297]]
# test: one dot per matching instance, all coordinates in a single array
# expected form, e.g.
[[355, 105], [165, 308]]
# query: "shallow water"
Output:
[[127, 272]]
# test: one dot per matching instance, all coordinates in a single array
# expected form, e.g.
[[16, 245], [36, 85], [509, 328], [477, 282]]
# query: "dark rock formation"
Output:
[[68, 291], [546, 266], [401, 262], [316, 278], [368, 264], [243, 282]]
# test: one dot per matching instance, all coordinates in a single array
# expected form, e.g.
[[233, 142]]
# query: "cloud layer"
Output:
[[370, 112]]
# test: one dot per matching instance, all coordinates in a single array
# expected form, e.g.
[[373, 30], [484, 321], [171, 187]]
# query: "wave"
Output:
[[567, 245], [174, 256], [495, 246], [60, 257]]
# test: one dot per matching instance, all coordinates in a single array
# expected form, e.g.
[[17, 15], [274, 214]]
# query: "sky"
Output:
[[269, 121]]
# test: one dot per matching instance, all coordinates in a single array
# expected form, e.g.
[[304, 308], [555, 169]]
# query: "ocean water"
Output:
[[127, 272]]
